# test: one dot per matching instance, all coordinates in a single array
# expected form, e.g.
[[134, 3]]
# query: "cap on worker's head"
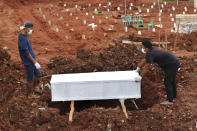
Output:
[[28, 24], [147, 44]]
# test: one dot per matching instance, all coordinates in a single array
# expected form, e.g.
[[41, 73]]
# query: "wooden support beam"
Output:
[[72, 109], [124, 108], [175, 41]]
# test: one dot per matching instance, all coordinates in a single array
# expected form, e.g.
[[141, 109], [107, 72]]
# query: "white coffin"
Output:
[[96, 86]]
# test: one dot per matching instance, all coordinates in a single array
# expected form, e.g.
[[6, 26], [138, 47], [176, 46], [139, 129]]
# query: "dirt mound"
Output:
[[113, 58], [9, 77], [4, 57], [188, 42]]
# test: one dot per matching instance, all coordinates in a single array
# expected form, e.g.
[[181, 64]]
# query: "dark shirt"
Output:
[[160, 57], [25, 48]]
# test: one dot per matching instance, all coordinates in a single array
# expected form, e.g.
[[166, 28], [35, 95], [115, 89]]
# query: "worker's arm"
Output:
[[31, 58], [142, 63], [34, 61]]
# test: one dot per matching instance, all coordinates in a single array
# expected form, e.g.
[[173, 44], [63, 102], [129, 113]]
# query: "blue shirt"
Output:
[[25, 48], [160, 57]]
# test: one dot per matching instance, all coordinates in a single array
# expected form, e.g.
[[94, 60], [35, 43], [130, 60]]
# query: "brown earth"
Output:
[[95, 53]]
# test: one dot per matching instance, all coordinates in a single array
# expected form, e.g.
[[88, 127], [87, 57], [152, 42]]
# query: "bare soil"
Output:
[[102, 50]]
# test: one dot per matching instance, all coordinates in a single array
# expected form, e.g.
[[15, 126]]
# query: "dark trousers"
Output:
[[170, 80]]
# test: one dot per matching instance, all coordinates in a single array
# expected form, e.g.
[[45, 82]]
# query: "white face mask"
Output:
[[143, 51], [30, 32]]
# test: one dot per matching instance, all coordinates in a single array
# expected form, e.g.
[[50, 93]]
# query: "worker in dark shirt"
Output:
[[28, 57], [168, 62]]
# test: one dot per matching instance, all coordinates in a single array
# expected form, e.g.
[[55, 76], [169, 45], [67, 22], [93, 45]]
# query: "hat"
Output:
[[27, 24], [147, 44]]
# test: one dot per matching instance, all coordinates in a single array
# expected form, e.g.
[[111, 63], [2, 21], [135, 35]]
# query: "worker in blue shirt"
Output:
[[28, 56], [168, 62]]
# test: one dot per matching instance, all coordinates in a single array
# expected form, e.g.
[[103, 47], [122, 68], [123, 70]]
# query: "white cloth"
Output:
[[96, 86]]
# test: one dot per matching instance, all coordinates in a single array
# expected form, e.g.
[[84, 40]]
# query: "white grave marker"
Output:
[[71, 14], [64, 5], [165, 3], [170, 14], [83, 37], [93, 26], [126, 29], [194, 10], [76, 6], [159, 19], [92, 17], [139, 32], [108, 10], [44, 17], [109, 3], [56, 29], [160, 11], [118, 8], [185, 8], [153, 29], [130, 8], [154, 3], [183, 12], [100, 5], [172, 30], [40, 10], [162, 5], [131, 4], [174, 25], [172, 19], [151, 7], [87, 13], [100, 21], [147, 10], [84, 22], [95, 9], [49, 22]]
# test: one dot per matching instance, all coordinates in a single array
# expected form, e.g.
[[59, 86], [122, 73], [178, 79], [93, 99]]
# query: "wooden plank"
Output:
[[72, 109], [124, 108]]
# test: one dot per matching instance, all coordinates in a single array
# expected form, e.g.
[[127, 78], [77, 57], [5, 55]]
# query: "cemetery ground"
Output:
[[64, 43]]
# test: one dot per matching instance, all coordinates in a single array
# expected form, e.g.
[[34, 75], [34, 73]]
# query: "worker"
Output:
[[28, 57], [167, 61]]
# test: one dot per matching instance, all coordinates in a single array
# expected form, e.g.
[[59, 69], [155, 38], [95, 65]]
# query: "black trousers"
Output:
[[170, 80]]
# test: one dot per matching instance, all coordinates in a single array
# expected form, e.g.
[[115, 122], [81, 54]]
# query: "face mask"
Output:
[[143, 51], [30, 32]]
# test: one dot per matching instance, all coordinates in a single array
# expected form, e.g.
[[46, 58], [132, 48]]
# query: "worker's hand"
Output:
[[138, 79], [138, 69], [37, 65]]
